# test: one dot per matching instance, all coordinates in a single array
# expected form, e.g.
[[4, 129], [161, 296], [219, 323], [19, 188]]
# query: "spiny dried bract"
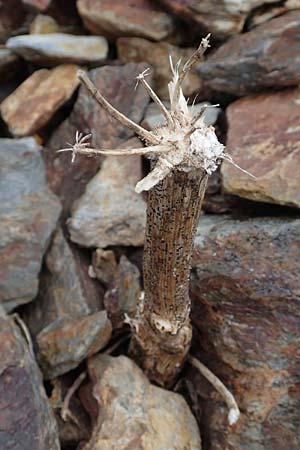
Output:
[[184, 143]]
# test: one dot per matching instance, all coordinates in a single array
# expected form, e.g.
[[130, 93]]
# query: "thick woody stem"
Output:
[[144, 134], [162, 340]]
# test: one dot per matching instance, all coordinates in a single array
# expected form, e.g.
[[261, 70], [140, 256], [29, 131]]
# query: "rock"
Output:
[[265, 142], [28, 215], [123, 292], [154, 118], [43, 24], [117, 85], [221, 18], [246, 301], [156, 54], [65, 343], [110, 212], [59, 48], [265, 57], [27, 421], [9, 64], [12, 15], [125, 18], [104, 265], [41, 5], [33, 104], [136, 414], [66, 290]]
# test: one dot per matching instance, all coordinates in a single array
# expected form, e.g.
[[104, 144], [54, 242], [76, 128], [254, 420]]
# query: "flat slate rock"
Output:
[[28, 215], [64, 344], [265, 57], [134, 414], [264, 138], [141, 18], [34, 103], [110, 212], [157, 55], [245, 288], [27, 421], [116, 83], [59, 48]]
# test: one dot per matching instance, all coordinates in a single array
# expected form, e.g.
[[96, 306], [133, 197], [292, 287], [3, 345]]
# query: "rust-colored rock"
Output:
[[123, 292], [246, 300], [134, 414], [66, 289], [30, 107], [125, 18], [65, 343], [265, 57], [157, 55], [103, 266], [117, 85], [264, 138], [26, 418]]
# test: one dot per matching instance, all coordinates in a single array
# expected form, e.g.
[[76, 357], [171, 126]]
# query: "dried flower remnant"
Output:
[[183, 153]]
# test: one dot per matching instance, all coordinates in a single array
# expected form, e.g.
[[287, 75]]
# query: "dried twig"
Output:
[[234, 412]]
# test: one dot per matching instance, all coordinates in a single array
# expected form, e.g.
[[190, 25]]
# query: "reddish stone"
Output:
[[265, 57], [246, 300], [264, 138]]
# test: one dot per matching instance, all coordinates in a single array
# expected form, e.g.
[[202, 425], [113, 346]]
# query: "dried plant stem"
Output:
[[144, 134], [234, 412], [162, 340], [65, 411]]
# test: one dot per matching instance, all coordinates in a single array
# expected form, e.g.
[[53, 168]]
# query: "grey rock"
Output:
[[65, 343], [59, 48], [27, 421], [136, 414], [103, 266], [110, 212], [28, 215]]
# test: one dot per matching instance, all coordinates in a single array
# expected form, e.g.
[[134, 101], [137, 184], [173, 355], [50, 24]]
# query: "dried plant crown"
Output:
[[185, 142]]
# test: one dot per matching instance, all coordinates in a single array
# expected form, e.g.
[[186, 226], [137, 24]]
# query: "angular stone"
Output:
[[33, 104], [66, 289], [65, 343], [136, 414], [59, 48], [43, 24], [264, 138], [246, 301], [123, 292], [221, 18], [9, 64], [154, 118], [27, 421], [265, 57], [156, 54], [117, 86], [125, 18], [104, 265], [28, 215], [110, 212]]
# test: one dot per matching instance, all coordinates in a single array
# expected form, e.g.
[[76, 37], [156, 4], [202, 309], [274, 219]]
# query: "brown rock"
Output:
[[264, 138], [110, 212], [65, 343], [125, 18], [43, 24], [104, 265], [136, 414], [30, 107], [12, 15], [267, 56], [123, 292], [157, 55], [246, 301], [28, 216], [117, 85], [66, 289], [27, 422], [41, 5]]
